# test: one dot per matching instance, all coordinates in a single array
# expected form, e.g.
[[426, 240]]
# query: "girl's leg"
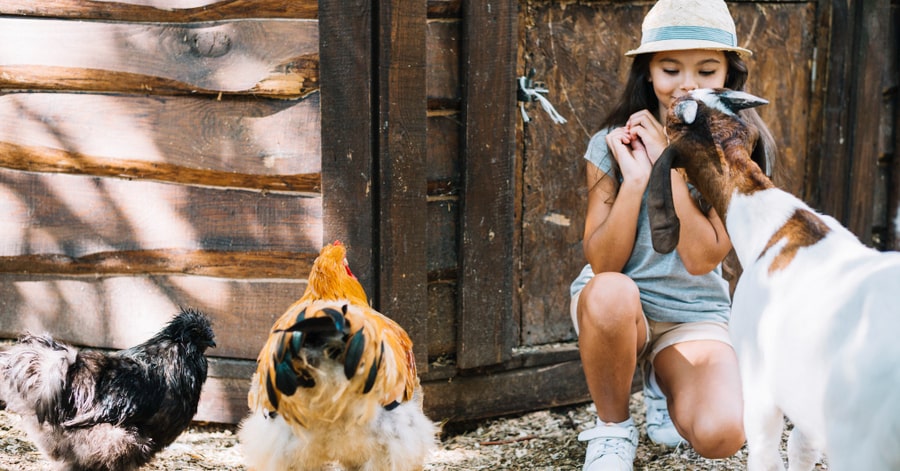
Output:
[[612, 331], [700, 378]]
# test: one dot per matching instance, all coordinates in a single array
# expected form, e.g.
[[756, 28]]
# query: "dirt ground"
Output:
[[543, 440]]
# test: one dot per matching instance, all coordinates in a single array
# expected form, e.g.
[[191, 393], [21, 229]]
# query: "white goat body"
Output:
[[815, 313]]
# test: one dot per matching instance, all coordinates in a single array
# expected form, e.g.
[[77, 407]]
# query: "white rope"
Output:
[[535, 93]]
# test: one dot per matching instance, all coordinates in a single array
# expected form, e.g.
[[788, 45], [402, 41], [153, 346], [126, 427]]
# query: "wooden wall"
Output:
[[165, 153], [155, 157]]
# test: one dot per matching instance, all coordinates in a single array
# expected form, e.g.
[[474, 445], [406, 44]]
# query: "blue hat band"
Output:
[[702, 33]]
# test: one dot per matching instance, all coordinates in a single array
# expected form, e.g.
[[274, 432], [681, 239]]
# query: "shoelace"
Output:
[[603, 441], [662, 413]]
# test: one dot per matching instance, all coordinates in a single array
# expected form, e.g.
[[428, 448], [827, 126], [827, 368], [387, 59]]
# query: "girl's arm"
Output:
[[611, 220], [703, 242]]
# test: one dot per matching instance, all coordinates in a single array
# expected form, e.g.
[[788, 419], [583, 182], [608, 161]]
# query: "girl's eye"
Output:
[[707, 73], [670, 71]]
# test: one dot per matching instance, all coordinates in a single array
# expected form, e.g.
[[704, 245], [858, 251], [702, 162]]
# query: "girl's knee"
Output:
[[717, 438], [608, 301]]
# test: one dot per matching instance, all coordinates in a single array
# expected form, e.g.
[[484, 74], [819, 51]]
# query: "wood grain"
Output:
[[162, 10], [267, 57], [487, 329], [251, 143], [75, 216]]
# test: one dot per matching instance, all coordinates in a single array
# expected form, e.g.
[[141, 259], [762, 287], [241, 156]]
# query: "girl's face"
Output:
[[674, 73]]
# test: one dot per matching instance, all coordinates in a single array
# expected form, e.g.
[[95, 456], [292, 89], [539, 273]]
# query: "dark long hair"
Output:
[[639, 95]]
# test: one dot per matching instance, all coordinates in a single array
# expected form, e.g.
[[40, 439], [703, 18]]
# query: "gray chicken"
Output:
[[92, 410]]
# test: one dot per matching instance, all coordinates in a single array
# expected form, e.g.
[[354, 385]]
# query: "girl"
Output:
[[631, 304]]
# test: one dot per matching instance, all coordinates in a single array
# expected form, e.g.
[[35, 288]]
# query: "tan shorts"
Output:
[[665, 334]]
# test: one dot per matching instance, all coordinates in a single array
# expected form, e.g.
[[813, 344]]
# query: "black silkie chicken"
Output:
[[91, 410]]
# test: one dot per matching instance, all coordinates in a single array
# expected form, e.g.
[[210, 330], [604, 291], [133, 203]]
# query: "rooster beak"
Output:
[[211, 343]]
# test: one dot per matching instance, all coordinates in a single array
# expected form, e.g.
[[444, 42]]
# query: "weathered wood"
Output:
[[269, 145], [42, 159], [442, 311], [487, 330], [443, 48], [223, 264], [121, 311], [402, 183], [892, 99], [866, 108], [75, 216], [267, 57], [186, 10], [348, 144], [831, 195], [162, 10]]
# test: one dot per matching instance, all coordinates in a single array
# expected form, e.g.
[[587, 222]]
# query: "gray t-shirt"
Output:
[[668, 292]]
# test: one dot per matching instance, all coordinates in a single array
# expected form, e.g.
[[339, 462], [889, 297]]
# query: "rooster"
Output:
[[336, 382], [93, 410]]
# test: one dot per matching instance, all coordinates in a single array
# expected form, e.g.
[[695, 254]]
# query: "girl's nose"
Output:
[[689, 83]]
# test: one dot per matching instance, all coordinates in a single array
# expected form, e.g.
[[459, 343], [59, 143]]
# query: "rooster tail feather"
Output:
[[271, 393], [35, 371], [285, 378], [355, 350], [373, 371]]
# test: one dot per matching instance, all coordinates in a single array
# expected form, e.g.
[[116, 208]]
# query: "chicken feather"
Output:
[[334, 369]]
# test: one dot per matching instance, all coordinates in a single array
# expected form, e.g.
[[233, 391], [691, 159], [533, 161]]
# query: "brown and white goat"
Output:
[[816, 314]]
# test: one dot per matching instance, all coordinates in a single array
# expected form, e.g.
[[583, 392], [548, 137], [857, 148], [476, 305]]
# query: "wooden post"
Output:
[[487, 332], [345, 71], [402, 189]]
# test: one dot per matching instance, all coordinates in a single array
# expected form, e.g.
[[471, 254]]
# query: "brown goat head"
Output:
[[716, 148]]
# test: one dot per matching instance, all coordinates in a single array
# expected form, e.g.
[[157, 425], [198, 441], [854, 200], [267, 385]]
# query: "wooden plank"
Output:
[[443, 48], [865, 182], [402, 184], [346, 68], [832, 195], [892, 77], [186, 10], [442, 311], [487, 330], [121, 311], [270, 145], [74, 216], [162, 10], [267, 57], [218, 263]]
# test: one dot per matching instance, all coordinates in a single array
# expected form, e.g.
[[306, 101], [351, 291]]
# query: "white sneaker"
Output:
[[660, 428], [610, 448]]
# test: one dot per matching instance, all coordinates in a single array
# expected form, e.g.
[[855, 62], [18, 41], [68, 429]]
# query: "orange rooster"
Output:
[[336, 383]]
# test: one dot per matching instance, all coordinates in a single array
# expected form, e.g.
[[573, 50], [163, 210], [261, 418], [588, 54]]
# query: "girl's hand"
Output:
[[645, 127], [631, 155]]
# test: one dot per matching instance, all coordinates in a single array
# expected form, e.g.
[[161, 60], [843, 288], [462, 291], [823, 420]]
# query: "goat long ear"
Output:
[[664, 223], [736, 101]]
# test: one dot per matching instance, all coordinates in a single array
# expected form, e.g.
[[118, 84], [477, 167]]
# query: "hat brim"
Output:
[[686, 44]]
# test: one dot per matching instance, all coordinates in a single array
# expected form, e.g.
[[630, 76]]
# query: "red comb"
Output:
[[337, 242]]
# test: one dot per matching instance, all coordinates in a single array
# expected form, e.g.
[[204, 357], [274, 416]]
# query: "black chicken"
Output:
[[92, 410]]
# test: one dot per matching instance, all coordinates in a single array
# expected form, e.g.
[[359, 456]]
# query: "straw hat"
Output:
[[676, 25]]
